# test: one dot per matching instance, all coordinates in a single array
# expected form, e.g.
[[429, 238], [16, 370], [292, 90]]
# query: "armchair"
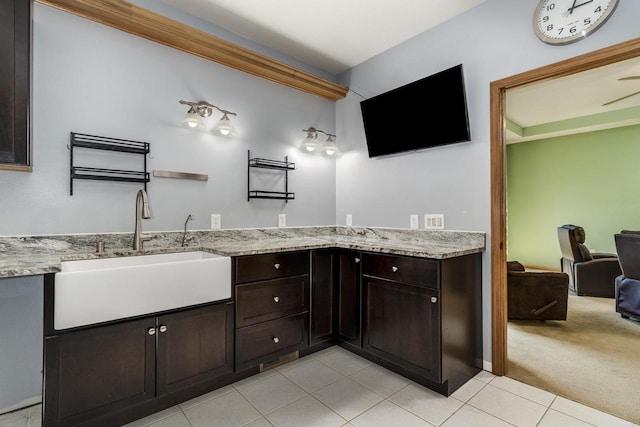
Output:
[[536, 295], [591, 274], [627, 285]]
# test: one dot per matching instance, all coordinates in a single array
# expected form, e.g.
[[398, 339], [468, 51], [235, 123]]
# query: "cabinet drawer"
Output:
[[252, 268], [268, 340], [410, 270], [271, 299]]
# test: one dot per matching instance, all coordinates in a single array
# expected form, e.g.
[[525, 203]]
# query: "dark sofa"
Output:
[[536, 295]]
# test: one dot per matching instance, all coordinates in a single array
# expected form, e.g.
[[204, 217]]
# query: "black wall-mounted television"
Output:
[[427, 113]]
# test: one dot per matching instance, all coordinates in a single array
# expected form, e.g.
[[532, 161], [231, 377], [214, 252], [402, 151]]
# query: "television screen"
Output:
[[427, 113]]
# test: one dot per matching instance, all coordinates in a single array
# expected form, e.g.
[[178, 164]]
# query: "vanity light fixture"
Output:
[[310, 144], [202, 109]]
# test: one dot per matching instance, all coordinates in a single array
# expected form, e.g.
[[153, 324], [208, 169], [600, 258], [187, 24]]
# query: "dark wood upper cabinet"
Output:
[[15, 54]]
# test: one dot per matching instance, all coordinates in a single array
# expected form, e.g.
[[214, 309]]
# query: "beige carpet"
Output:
[[593, 357]]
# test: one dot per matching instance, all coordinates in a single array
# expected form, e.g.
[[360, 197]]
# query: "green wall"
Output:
[[589, 179]]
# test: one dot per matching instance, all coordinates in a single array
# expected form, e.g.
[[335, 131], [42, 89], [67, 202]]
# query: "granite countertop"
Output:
[[35, 255]]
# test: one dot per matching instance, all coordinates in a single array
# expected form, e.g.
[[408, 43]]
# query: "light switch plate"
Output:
[[282, 220], [414, 223], [434, 221], [216, 221], [349, 220]]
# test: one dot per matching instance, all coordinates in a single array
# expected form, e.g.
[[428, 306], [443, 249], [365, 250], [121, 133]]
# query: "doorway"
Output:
[[606, 56]]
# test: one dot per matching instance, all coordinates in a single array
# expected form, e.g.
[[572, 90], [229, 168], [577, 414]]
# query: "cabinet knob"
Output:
[[276, 340], [151, 331], [434, 300], [394, 268], [357, 260], [276, 299], [276, 266], [163, 328]]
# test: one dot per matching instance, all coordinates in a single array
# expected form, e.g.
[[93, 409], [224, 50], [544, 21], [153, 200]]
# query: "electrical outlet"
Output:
[[414, 222], [434, 221], [349, 220], [216, 221], [282, 220]]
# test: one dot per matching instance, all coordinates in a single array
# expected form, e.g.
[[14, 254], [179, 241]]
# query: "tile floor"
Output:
[[337, 388]]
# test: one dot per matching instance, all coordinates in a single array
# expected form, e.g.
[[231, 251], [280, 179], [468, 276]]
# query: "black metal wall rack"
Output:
[[79, 140], [285, 166]]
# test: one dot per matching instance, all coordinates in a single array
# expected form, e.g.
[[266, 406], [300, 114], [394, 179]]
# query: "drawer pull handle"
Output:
[[434, 300], [357, 260], [151, 331], [276, 266], [276, 340], [394, 268], [276, 299], [163, 328]]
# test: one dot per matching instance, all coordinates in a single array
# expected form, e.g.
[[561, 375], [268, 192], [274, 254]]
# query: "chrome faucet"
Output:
[[142, 212]]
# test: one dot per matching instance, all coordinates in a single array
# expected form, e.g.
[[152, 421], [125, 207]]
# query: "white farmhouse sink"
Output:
[[100, 290]]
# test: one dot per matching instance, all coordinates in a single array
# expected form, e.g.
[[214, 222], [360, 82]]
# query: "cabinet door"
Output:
[[348, 288], [322, 296], [402, 325], [194, 346], [15, 42], [97, 371]]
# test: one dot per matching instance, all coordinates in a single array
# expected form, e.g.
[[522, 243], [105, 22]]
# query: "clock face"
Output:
[[565, 21]]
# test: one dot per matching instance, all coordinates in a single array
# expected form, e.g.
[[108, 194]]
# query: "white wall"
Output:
[[493, 40], [92, 79]]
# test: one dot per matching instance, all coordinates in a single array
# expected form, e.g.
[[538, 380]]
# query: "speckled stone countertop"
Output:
[[34, 255]]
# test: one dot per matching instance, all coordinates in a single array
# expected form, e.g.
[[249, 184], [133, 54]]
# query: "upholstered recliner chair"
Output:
[[628, 284], [536, 295], [590, 274]]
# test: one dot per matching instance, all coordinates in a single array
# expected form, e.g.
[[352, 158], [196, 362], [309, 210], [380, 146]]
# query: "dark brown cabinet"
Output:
[[95, 375], [422, 317], [348, 300], [15, 48], [272, 307], [323, 294]]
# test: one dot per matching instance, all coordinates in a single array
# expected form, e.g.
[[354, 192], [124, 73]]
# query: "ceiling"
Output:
[[331, 35], [336, 35]]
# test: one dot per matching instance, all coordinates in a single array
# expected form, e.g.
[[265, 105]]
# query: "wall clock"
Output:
[[559, 22]]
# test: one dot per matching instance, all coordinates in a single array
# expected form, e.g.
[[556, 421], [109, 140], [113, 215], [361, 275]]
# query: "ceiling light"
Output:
[[330, 148], [202, 109], [309, 144]]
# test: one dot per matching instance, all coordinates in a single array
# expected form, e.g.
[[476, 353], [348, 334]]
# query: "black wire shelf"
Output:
[[284, 166]]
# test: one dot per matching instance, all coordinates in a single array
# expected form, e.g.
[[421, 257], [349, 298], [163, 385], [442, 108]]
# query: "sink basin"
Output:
[[101, 290]]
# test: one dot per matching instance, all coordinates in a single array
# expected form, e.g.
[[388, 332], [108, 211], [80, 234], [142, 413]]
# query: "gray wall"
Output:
[[20, 341], [493, 40]]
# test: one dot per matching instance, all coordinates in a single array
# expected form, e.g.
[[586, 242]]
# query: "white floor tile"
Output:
[[557, 419], [468, 390], [326, 351], [177, 420], [15, 419], [254, 379], [272, 393], [343, 361], [485, 376], [386, 414], [425, 403], [229, 410], [381, 380], [469, 416], [307, 412], [508, 406], [205, 397], [260, 422], [587, 414], [312, 376], [169, 412], [348, 398], [35, 416], [524, 390], [295, 363]]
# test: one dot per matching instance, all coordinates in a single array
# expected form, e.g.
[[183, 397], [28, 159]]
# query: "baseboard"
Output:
[[21, 405], [487, 366]]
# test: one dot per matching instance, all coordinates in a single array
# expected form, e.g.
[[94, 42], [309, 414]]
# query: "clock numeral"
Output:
[[551, 6], [560, 30], [587, 21], [573, 30], [550, 27], [598, 9], [545, 18]]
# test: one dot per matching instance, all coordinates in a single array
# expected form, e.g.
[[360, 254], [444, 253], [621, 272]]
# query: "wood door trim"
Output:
[[141, 22], [619, 52]]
